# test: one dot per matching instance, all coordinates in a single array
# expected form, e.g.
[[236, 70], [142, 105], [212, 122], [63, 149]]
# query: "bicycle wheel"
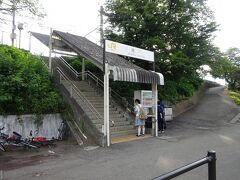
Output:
[[30, 146], [2, 148]]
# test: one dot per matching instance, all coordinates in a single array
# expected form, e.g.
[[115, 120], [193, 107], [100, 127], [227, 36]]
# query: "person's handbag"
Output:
[[142, 113]]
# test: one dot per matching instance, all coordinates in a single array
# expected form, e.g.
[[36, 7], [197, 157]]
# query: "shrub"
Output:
[[26, 86], [235, 96]]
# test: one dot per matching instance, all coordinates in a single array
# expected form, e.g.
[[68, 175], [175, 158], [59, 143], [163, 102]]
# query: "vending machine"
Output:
[[146, 98]]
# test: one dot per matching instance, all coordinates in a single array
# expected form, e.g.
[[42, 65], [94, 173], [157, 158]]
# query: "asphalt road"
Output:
[[188, 138]]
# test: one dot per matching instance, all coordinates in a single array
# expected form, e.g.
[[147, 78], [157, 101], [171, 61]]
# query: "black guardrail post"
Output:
[[212, 165], [210, 160]]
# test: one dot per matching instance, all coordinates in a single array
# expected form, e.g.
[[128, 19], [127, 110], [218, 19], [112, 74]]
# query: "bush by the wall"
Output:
[[26, 86]]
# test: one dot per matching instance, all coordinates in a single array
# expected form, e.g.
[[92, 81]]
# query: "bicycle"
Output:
[[40, 140], [2, 148], [15, 140]]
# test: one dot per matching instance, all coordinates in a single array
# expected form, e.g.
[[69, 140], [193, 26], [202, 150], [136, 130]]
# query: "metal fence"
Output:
[[210, 159]]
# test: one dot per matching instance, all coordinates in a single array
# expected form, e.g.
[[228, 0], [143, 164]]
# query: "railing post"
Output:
[[212, 165], [60, 81], [110, 92], [71, 91]]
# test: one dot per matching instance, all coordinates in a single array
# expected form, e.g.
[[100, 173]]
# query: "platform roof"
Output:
[[122, 69]]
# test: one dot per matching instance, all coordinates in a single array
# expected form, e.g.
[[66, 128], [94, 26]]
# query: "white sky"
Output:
[[227, 14], [80, 17]]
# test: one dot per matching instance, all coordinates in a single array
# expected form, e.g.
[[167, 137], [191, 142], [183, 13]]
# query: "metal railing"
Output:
[[99, 83], [210, 159], [71, 69], [73, 88]]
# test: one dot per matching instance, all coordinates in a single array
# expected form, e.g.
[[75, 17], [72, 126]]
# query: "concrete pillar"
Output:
[[106, 105], [154, 118]]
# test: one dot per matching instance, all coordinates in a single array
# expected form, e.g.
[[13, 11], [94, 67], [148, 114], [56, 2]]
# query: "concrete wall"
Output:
[[185, 105], [25, 123]]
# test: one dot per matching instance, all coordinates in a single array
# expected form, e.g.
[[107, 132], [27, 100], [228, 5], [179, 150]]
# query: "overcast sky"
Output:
[[81, 17], [227, 15]]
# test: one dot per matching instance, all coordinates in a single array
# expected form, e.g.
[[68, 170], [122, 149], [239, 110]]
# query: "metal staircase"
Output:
[[88, 94]]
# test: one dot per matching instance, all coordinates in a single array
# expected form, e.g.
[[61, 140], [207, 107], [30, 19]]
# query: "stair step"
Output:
[[118, 129], [122, 133], [90, 98], [94, 119], [110, 113], [112, 116], [118, 119], [117, 126], [101, 110], [121, 123], [121, 128]]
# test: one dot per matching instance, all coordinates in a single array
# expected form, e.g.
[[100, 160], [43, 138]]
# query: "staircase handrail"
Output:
[[97, 80], [75, 72], [81, 95], [101, 83]]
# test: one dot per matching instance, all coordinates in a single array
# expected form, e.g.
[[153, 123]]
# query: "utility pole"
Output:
[[2, 37], [30, 41], [13, 35], [101, 26]]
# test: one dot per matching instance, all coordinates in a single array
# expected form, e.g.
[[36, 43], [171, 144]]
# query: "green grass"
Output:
[[235, 96]]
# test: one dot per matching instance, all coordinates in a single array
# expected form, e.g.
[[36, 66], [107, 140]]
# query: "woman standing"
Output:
[[139, 123]]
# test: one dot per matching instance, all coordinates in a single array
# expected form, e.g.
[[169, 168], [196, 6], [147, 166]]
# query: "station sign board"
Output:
[[126, 50]]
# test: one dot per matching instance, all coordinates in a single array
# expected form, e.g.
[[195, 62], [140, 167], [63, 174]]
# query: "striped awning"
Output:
[[133, 75], [121, 69]]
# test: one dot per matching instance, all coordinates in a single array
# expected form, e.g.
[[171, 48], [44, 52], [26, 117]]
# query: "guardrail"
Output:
[[210, 159]]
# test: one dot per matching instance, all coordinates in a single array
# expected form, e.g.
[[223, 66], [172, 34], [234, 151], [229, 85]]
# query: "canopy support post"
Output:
[[154, 118], [83, 69], [50, 51], [106, 99]]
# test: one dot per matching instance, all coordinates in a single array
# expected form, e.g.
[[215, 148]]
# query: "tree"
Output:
[[15, 6], [227, 67], [234, 56], [179, 35], [26, 86]]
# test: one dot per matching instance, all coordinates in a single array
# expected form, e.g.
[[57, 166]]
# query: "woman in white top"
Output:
[[139, 123]]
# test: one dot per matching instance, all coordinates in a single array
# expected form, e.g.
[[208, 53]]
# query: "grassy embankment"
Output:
[[235, 95]]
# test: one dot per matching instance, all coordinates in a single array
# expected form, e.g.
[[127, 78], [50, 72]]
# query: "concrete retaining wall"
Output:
[[185, 105], [25, 123]]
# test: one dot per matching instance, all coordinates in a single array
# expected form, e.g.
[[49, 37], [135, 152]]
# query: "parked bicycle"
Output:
[[2, 148], [15, 140], [41, 140]]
